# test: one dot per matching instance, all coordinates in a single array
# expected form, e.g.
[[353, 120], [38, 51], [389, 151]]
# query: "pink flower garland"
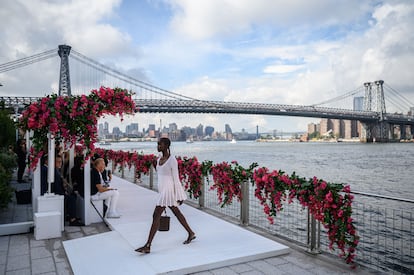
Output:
[[72, 119], [142, 163], [190, 174], [324, 201], [327, 202], [227, 180]]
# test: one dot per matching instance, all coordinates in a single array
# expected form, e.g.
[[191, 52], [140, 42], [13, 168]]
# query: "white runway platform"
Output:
[[218, 242]]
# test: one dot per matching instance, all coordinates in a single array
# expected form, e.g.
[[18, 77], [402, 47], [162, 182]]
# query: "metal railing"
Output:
[[385, 224]]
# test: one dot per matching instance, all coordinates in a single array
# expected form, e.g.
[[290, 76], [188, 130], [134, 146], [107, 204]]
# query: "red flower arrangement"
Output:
[[329, 203], [227, 180], [271, 190], [190, 171], [324, 201], [142, 163], [72, 119]]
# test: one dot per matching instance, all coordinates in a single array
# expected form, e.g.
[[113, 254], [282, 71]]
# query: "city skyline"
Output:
[[279, 52]]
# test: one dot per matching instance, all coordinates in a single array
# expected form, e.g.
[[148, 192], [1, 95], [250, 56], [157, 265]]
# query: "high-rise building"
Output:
[[209, 130], [172, 127], [358, 103], [324, 126], [116, 131], [229, 133], [200, 130], [106, 128], [312, 128]]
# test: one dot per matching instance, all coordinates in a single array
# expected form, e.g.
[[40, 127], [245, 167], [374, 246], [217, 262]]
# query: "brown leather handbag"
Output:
[[164, 222]]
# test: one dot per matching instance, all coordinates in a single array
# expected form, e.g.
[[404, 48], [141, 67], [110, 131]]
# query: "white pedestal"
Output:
[[54, 203], [47, 225], [93, 216]]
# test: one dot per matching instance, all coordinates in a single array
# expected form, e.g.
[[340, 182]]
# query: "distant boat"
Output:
[[104, 143], [189, 140], [233, 141]]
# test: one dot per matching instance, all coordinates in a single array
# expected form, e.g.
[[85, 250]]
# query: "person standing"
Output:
[[99, 191], [171, 194], [21, 153]]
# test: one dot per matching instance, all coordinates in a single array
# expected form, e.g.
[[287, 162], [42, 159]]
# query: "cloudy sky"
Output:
[[270, 51]]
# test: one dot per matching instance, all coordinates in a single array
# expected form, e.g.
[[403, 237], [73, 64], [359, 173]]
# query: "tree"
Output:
[[7, 128]]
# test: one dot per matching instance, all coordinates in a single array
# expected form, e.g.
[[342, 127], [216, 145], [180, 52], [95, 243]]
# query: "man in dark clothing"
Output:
[[21, 153], [77, 176], [43, 175], [59, 188]]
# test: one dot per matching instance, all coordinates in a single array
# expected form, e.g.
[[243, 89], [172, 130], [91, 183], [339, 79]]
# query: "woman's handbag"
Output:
[[164, 222]]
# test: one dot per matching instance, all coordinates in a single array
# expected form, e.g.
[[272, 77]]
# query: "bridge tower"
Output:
[[374, 101], [64, 77]]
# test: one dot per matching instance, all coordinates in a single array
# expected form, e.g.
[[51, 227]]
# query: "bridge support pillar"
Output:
[[412, 131], [64, 79], [376, 132], [403, 132]]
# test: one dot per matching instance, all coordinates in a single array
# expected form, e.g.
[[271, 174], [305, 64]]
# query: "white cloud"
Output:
[[209, 18], [286, 52]]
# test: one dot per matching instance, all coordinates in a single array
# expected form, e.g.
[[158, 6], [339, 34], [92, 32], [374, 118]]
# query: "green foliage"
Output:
[[7, 129], [7, 163]]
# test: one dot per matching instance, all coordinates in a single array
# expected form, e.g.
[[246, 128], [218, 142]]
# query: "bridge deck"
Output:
[[218, 242]]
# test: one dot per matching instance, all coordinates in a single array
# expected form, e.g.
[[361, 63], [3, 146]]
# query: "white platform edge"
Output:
[[219, 243]]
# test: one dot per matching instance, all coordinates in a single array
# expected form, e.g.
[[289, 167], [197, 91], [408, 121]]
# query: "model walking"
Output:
[[171, 194]]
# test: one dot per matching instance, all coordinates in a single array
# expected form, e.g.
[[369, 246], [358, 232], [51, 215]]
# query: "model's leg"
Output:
[[154, 227], [183, 221]]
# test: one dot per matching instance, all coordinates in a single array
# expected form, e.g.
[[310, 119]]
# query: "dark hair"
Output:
[[166, 141]]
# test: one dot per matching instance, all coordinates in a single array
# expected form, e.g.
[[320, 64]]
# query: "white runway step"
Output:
[[218, 242]]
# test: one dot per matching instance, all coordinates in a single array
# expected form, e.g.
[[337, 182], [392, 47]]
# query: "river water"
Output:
[[377, 168], [383, 169]]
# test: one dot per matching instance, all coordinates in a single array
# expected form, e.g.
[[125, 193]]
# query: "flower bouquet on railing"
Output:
[[142, 163], [324, 201], [227, 180], [331, 204], [190, 174], [270, 189]]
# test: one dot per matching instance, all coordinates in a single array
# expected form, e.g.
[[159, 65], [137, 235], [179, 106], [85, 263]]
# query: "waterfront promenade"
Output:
[[21, 254]]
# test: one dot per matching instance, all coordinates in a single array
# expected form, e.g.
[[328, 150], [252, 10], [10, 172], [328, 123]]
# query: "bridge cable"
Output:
[[132, 80], [119, 77], [8, 66], [351, 93], [404, 102]]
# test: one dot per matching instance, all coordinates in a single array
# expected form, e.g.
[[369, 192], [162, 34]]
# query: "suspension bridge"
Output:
[[377, 123]]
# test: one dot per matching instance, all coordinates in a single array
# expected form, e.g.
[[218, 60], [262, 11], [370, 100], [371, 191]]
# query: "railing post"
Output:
[[135, 174], [201, 199], [314, 234], [151, 179], [244, 204], [123, 171]]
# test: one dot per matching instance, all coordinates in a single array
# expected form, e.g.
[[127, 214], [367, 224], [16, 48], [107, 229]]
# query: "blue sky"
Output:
[[285, 52]]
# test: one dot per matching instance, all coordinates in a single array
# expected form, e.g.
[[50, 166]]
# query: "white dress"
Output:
[[169, 185]]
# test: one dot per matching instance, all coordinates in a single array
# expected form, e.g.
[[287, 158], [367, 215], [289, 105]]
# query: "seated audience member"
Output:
[[100, 192], [106, 174], [62, 187], [43, 175], [77, 176]]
